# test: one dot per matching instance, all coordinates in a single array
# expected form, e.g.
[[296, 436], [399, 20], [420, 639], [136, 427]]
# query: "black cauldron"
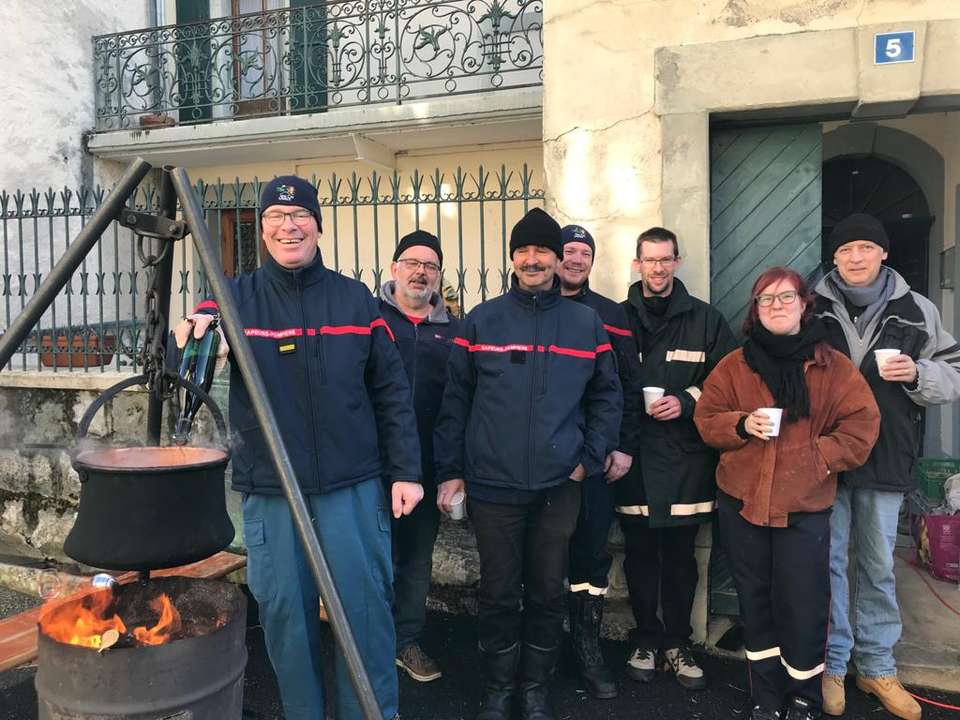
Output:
[[147, 508]]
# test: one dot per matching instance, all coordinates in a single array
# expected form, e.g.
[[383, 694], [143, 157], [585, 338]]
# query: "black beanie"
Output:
[[294, 191], [418, 237], [576, 233], [858, 226], [536, 228]]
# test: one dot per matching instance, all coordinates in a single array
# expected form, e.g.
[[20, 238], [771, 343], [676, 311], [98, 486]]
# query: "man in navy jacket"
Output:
[[340, 395], [531, 408], [424, 330], [589, 558]]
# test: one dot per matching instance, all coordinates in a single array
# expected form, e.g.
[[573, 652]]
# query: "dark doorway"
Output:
[[889, 193]]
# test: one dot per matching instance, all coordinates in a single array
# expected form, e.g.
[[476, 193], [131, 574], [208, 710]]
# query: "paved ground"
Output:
[[454, 697]]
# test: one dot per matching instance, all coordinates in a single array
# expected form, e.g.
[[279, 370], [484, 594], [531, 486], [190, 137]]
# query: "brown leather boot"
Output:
[[891, 695], [834, 694]]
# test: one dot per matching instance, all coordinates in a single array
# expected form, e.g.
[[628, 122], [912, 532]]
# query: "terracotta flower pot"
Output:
[[86, 350]]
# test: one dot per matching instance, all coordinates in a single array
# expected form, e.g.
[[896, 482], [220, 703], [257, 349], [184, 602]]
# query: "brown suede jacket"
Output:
[[797, 471]]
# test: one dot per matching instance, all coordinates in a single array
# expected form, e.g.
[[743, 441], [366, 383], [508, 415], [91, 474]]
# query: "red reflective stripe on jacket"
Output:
[[380, 322], [206, 305], [604, 348], [556, 349], [617, 330]]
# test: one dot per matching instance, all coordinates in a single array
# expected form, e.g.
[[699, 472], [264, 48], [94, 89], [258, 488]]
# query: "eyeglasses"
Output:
[[277, 218], [414, 265], [786, 298], [662, 262]]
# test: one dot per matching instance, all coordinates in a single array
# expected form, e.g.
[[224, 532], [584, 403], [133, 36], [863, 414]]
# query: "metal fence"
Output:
[[96, 322], [310, 59]]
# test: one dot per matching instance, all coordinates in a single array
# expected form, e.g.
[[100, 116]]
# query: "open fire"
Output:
[[88, 622]]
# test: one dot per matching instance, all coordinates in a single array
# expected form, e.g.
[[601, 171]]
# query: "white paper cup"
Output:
[[884, 354], [650, 396], [775, 415], [458, 506]]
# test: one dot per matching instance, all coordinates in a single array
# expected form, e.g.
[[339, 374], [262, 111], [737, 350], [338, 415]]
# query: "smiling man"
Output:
[[589, 558], [342, 403], [670, 490], [531, 408], [414, 310], [868, 306]]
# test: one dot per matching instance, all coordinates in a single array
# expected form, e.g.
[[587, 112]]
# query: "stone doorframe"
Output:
[[815, 76]]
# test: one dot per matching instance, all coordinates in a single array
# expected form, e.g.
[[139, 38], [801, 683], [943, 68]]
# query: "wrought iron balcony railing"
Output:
[[311, 59]]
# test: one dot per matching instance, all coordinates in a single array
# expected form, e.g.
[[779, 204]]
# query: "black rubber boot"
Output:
[[536, 669], [586, 617], [500, 683]]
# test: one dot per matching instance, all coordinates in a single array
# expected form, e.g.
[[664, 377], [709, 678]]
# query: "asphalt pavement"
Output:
[[452, 640]]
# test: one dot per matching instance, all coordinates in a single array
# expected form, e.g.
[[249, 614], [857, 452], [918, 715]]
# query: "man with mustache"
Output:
[[342, 403], [589, 559], [531, 408], [414, 310], [670, 490]]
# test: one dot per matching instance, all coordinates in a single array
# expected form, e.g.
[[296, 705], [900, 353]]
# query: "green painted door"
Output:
[[764, 208], [765, 194]]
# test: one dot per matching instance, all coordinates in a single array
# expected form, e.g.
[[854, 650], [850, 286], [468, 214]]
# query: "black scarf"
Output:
[[779, 360]]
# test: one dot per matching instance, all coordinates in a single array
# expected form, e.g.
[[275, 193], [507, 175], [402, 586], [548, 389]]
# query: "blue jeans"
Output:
[[868, 518], [353, 525]]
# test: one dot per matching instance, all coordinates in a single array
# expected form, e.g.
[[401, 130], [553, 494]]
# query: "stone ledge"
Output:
[[65, 380]]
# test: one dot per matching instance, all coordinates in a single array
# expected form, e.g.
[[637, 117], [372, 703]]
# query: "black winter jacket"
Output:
[[532, 391], [911, 323], [614, 319], [672, 480], [335, 378], [425, 349]]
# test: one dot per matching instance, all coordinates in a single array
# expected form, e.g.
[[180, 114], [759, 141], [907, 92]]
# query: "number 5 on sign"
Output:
[[894, 47]]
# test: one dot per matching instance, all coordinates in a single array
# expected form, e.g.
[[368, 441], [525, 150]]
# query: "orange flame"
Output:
[[83, 622], [168, 623]]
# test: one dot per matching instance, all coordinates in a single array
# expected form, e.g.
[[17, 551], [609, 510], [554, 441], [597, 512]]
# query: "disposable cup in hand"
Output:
[[884, 354], [774, 415], [458, 506], [650, 396]]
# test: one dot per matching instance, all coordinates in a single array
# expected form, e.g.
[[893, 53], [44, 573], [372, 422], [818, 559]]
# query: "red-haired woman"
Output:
[[776, 488]]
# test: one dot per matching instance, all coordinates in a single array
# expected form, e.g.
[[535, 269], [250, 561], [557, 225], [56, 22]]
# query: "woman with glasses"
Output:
[[787, 413]]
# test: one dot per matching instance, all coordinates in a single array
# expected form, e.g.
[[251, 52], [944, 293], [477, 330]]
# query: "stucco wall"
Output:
[[48, 96], [603, 155]]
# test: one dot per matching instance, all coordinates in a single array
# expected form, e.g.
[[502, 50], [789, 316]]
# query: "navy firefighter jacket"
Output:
[[335, 380], [532, 391]]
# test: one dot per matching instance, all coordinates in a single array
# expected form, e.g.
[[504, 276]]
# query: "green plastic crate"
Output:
[[931, 474]]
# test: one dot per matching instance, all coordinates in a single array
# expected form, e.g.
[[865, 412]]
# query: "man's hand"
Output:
[[578, 473], [899, 368], [198, 323], [445, 492], [405, 496], [666, 408], [616, 465]]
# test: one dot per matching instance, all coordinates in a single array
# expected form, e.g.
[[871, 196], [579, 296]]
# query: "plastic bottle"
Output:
[[197, 364]]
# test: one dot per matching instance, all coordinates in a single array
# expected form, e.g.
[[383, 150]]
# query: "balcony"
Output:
[[314, 59]]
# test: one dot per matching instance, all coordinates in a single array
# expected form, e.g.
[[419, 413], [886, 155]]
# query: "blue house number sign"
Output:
[[893, 47]]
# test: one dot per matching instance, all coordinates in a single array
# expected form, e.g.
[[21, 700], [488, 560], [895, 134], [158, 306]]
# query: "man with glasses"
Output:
[[342, 403], [869, 307], [670, 490], [589, 558], [415, 312]]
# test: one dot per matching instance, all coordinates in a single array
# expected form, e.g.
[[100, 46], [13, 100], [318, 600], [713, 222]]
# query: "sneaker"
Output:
[[689, 675], [417, 664], [758, 713], [800, 709], [642, 665], [891, 695], [834, 694]]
